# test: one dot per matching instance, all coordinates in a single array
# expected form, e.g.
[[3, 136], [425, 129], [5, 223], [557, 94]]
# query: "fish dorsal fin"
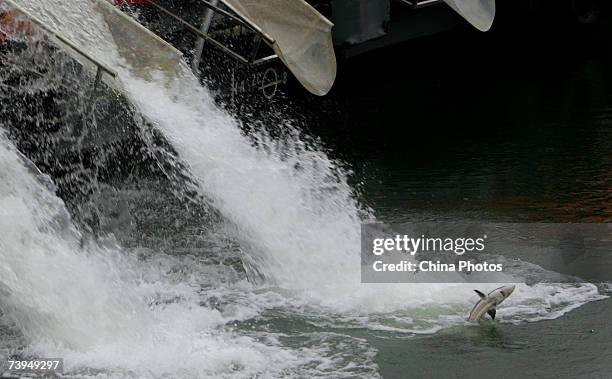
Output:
[[482, 295], [492, 313]]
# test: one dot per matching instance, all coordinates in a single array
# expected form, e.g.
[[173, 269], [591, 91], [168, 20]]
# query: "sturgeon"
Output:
[[488, 303]]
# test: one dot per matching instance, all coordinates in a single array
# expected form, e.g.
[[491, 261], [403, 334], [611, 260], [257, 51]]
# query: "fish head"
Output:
[[506, 291]]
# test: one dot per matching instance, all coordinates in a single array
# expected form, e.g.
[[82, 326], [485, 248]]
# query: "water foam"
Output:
[[103, 311], [291, 206], [45, 282]]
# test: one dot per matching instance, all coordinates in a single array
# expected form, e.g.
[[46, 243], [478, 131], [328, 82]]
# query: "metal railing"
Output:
[[101, 67], [203, 34]]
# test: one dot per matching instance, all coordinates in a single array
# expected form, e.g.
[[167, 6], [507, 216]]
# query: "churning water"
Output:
[[108, 311]]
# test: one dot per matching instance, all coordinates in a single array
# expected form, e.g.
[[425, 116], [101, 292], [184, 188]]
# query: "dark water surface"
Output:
[[503, 126], [574, 346], [511, 126]]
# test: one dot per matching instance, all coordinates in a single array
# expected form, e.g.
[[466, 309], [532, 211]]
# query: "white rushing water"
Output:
[[104, 312], [290, 207]]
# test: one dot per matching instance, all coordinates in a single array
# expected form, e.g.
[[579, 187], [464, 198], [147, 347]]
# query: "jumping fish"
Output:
[[488, 303]]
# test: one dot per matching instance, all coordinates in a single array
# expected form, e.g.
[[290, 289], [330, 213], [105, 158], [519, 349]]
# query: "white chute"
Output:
[[143, 50], [303, 39], [479, 13]]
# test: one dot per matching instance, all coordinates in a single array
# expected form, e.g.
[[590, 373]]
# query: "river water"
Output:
[[245, 263], [515, 126]]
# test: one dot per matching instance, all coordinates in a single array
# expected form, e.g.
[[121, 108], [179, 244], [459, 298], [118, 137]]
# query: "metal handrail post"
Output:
[[208, 17]]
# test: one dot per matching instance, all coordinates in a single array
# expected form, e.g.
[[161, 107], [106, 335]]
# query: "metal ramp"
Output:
[[298, 36], [296, 33], [144, 51], [86, 59]]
